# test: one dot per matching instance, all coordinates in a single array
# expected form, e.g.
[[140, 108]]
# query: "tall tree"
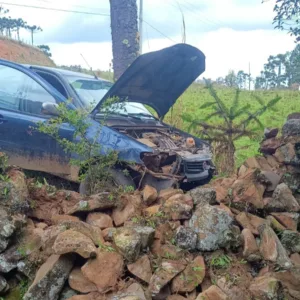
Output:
[[231, 79], [20, 23], [288, 16], [125, 36], [242, 79], [294, 68], [33, 29]]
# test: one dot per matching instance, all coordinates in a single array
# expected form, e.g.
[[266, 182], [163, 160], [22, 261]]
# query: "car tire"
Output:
[[118, 177]]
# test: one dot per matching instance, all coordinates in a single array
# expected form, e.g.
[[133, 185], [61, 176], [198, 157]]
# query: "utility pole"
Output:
[[141, 25]]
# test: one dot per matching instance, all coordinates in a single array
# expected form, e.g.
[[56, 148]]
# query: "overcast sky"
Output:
[[231, 33]]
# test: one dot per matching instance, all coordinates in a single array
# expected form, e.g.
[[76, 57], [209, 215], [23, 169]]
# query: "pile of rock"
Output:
[[236, 238]]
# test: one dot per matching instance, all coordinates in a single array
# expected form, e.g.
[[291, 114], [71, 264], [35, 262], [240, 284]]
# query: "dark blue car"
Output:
[[163, 156]]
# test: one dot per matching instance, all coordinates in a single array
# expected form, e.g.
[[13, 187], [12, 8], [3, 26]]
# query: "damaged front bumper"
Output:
[[194, 169]]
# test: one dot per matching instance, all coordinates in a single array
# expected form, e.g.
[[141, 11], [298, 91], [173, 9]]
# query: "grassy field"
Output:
[[191, 101]]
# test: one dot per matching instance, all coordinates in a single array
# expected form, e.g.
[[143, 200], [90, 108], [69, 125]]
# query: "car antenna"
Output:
[[96, 77]]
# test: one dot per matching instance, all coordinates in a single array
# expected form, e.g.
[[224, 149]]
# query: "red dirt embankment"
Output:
[[21, 53]]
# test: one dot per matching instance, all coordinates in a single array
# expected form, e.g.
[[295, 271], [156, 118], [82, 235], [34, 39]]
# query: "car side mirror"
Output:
[[49, 108]]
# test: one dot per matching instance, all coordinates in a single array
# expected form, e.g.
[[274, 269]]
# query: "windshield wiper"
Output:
[[141, 115], [120, 114]]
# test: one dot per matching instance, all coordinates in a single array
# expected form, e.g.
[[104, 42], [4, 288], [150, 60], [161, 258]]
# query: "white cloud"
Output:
[[231, 33], [227, 49]]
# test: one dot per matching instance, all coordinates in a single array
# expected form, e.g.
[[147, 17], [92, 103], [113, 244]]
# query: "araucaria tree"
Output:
[[33, 29], [125, 36], [223, 125]]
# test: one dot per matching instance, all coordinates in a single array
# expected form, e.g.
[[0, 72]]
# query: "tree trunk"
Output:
[[224, 155], [125, 37]]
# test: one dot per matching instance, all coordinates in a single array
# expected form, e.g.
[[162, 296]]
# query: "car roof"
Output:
[[64, 72]]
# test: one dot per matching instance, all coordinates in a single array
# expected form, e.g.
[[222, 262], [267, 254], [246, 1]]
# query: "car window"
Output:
[[20, 92], [89, 91], [53, 81]]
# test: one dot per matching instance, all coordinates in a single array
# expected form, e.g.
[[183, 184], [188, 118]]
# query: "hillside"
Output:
[[22, 53]]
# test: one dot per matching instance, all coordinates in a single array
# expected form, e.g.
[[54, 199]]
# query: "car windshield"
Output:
[[91, 91]]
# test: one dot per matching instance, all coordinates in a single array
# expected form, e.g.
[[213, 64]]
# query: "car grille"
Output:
[[194, 167]]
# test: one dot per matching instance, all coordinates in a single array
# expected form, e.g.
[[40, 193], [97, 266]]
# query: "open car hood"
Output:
[[158, 78]]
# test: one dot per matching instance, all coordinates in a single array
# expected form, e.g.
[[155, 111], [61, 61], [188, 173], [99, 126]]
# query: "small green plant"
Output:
[[4, 177], [23, 286], [3, 162], [106, 248], [221, 262], [224, 126], [169, 255], [126, 172], [159, 214], [5, 192], [85, 150], [22, 251], [128, 189], [197, 269]]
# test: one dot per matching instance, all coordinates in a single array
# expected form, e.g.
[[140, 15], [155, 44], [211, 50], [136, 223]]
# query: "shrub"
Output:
[[223, 125]]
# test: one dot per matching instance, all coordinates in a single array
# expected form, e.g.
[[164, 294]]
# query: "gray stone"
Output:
[[202, 196], [272, 249], [292, 116], [50, 278], [270, 132], [232, 237], [164, 274], [291, 240], [7, 229], [15, 200], [186, 238], [128, 243], [291, 128], [210, 223], [133, 292], [283, 200], [3, 285], [271, 180], [146, 233], [67, 293], [292, 180], [10, 258]]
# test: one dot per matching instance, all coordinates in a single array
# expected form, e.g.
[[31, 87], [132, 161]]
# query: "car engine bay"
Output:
[[173, 153]]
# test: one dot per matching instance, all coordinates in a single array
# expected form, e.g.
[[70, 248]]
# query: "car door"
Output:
[[21, 99]]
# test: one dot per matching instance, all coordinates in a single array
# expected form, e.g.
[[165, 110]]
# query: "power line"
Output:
[[56, 9], [83, 12], [195, 11], [159, 31], [80, 6], [201, 16], [178, 5]]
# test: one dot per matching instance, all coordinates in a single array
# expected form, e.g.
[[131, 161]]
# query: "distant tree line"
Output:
[[282, 71], [9, 25]]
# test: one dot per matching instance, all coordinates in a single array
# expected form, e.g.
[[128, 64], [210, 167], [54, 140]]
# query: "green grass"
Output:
[[191, 101]]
